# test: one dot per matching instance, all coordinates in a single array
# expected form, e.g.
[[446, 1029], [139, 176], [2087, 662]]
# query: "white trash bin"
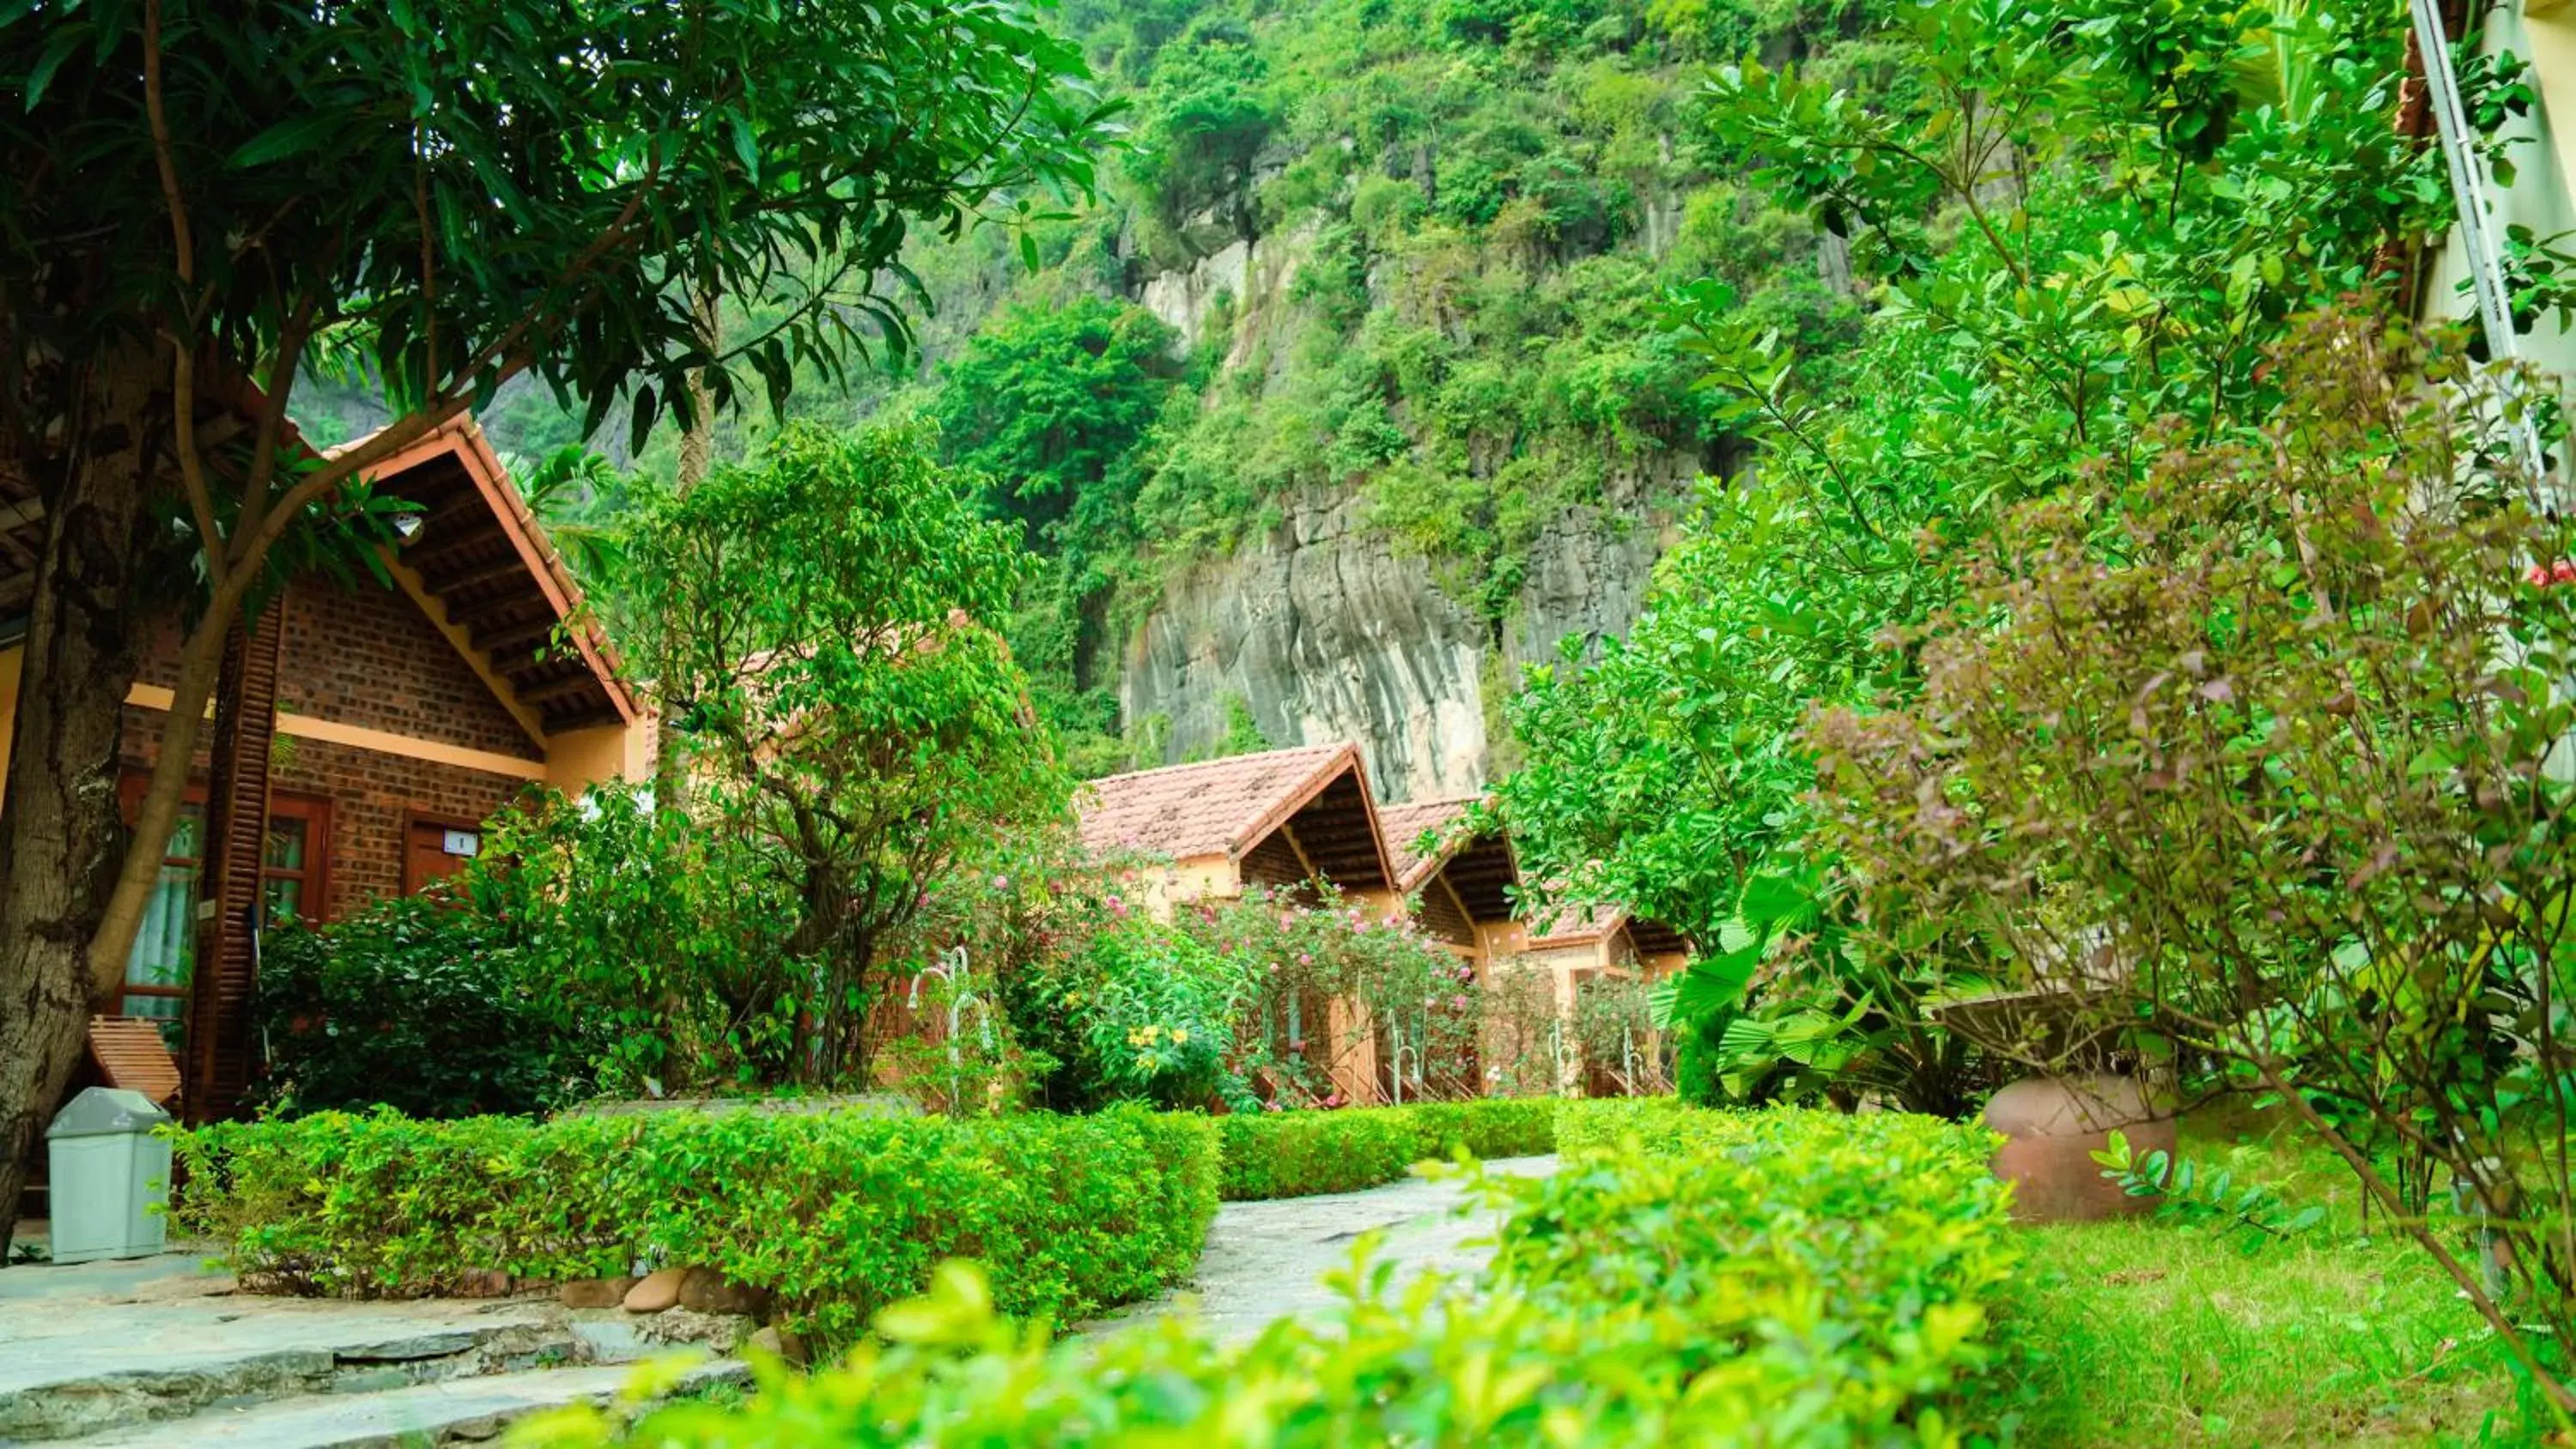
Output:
[[111, 1177]]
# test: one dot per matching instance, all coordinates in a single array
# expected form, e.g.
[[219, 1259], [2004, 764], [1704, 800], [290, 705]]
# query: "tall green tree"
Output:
[[199, 201], [2085, 221], [1056, 404], [813, 624], [1049, 401]]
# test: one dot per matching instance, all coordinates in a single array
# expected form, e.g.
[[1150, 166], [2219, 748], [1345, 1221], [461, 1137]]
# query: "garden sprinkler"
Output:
[[1397, 1050], [952, 969]]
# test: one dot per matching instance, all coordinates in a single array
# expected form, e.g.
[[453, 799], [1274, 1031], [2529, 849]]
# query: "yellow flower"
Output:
[[1180, 1037], [1152, 1031]]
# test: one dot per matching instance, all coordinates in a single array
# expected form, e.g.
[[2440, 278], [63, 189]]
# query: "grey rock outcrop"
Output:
[[1326, 632]]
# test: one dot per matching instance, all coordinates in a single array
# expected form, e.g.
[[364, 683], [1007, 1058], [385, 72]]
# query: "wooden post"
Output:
[[227, 966]]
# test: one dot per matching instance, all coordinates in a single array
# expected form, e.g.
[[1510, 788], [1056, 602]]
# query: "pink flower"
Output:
[[1272, 1107], [2563, 572], [2537, 576], [1305, 959], [1001, 882], [1458, 1003]]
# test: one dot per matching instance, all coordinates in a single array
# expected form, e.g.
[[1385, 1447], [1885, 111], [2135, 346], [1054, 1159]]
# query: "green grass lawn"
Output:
[[2153, 1331]]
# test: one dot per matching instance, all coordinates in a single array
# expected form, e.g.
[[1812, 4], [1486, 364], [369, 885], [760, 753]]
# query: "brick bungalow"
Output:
[[369, 732], [1278, 818], [1283, 817], [1463, 878]]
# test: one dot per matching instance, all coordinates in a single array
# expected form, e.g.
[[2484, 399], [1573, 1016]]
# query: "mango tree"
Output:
[[200, 202]]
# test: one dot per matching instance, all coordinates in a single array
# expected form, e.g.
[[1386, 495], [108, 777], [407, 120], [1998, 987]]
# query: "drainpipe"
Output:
[[2477, 233]]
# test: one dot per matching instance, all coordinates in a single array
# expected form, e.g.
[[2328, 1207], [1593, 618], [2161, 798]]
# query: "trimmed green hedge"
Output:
[[1589, 1125], [838, 1214], [1772, 1279], [1300, 1154]]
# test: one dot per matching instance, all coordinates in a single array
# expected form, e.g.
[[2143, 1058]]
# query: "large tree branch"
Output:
[[168, 165], [192, 464]]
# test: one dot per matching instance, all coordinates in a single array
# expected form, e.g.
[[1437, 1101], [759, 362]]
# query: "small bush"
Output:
[[1300, 1154], [1597, 1124], [416, 981], [838, 1214], [1832, 1268], [1792, 1279]]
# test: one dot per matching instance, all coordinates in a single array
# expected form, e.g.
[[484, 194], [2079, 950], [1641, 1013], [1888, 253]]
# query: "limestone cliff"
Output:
[[1325, 632], [1327, 628]]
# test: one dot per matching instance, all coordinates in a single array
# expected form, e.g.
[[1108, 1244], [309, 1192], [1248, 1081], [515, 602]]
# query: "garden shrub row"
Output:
[[837, 1214], [1775, 1279], [1299, 1154]]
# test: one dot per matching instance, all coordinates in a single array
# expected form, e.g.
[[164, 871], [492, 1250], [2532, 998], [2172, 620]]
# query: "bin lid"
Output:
[[106, 1112]]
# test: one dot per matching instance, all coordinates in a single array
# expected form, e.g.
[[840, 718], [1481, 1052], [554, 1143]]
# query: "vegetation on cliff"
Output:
[[1414, 251]]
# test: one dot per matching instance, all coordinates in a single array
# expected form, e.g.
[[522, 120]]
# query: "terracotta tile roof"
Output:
[[1575, 925], [1405, 826], [1219, 807], [483, 553]]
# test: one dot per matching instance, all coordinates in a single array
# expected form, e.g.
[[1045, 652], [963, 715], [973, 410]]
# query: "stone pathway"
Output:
[[1267, 1260], [162, 1350]]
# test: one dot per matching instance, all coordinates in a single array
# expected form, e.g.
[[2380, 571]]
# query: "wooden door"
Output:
[[434, 849]]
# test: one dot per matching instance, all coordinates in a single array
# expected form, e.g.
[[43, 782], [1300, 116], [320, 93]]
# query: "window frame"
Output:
[[314, 879]]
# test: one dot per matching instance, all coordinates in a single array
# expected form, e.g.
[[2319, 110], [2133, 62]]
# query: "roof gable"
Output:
[[1227, 807], [1405, 825], [505, 592]]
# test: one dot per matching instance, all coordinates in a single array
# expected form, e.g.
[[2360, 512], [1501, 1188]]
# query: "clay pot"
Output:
[[2054, 1125]]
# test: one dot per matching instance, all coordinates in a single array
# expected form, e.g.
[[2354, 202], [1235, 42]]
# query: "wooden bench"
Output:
[[130, 1054]]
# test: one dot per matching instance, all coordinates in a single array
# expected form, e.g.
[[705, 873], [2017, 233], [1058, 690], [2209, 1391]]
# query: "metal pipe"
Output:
[[2477, 235]]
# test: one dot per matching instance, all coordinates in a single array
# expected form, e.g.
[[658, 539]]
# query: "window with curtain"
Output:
[[165, 949], [156, 974]]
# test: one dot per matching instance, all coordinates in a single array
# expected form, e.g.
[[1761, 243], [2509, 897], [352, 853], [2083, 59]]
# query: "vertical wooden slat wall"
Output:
[[227, 967]]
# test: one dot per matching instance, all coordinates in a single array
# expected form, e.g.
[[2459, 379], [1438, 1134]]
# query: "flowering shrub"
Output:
[[1419, 1002], [1150, 1011], [1623, 1054]]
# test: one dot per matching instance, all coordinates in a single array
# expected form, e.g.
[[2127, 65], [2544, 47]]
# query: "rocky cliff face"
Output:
[[1327, 633], [1324, 629]]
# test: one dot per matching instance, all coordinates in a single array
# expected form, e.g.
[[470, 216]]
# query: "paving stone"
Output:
[[458, 1409], [90, 1346], [1267, 1260]]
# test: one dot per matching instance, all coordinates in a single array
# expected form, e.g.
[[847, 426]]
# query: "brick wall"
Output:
[[366, 656]]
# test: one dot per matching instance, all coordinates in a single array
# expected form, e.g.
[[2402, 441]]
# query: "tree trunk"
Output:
[[61, 837]]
